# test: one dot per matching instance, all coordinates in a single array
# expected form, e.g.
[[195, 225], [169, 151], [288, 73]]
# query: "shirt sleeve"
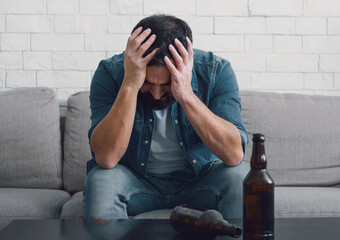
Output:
[[103, 92], [225, 101]]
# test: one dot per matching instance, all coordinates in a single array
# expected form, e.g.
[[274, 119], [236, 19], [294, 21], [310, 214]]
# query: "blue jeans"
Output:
[[118, 192]]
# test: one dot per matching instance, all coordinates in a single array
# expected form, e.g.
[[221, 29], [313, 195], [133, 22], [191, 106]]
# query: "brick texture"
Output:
[[221, 8], [29, 24], [275, 7], [273, 45], [23, 6]]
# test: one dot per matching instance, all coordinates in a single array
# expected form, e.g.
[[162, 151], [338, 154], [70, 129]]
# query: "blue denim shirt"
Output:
[[213, 82]]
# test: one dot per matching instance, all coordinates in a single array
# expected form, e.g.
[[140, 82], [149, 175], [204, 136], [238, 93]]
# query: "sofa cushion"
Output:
[[76, 145], [302, 135], [306, 202], [73, 208], [30, 145], [21, 203]]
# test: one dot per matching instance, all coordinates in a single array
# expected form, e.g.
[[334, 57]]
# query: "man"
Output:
[[166, 127]]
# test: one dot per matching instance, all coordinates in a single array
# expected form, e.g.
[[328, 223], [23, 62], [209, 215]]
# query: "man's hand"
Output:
[[134, 63], [181, 72]]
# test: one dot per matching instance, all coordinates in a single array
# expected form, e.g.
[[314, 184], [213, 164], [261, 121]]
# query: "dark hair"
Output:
[[166, 28]]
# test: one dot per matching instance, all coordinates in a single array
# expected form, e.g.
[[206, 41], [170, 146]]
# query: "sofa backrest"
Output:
[[302, 135], [76, 145], [30, 149]]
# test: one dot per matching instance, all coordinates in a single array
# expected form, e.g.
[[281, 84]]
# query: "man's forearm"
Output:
[[219, 135], [111, 137]]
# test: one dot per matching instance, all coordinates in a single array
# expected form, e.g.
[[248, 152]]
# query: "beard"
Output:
[[158, 104]]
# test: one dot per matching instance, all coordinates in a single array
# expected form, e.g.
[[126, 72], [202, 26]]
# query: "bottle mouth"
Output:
[[258, 137], [237, 232]]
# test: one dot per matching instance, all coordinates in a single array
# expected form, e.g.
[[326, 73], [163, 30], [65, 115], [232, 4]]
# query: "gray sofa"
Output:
[[43, 156]]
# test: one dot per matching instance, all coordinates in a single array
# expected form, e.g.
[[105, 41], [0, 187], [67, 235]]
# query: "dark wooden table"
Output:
[[140, 229]]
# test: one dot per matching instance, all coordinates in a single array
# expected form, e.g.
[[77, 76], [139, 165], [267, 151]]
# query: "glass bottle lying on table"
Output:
[[204, 224]]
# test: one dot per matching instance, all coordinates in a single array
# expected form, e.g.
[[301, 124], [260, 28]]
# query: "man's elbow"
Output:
[[106, 162], [107, 158], [234, 158]]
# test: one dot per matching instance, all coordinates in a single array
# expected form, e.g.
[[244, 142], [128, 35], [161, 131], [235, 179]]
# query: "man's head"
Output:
[[166, 28], [156, 88]]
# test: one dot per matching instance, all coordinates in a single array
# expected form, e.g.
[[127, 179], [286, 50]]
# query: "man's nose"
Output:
[[157, 92]]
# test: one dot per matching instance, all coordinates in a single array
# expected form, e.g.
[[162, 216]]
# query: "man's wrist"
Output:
[[129, 88], [188, 100]]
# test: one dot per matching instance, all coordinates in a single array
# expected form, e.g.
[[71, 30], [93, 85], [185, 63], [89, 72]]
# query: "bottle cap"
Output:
[[258, 137]]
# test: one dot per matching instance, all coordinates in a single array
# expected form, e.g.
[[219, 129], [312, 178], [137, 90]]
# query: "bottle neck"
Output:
[[258, 158], [224, 228]]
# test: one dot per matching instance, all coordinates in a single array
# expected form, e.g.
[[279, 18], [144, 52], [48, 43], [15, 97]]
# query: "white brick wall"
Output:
[[175, 7], [57, 42], [221, 8], [259, 43], [80, 24], [63, 7], [334, 26], [2, 23], [287, 44], [23, 7], [19, 78], [76, 60], [37, 60], [2, 78], [15, 42], [324, 8], [240, 25], [280, 25], [273, 45], [29, 24], [337, 81], [275, 7]]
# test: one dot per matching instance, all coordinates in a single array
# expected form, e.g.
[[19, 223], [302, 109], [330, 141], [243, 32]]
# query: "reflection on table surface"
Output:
[[135, 229], [155, 229]]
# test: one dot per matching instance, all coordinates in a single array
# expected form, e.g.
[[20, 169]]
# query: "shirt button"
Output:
[[142, 164], [146, 141], [150, 120], [180, 143], [176, 121], [194, 161]]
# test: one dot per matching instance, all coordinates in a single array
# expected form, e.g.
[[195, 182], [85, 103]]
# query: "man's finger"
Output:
[[134, 35], [145, 46], [178, 59], [150, 56], [136, 43], [172, 69], [190, 49], [182, 50]]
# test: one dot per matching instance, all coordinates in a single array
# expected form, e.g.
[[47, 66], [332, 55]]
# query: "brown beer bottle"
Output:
[[258, 196], [204, 224]]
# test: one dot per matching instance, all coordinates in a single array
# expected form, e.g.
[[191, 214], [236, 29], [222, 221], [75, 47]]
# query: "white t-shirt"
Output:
[[165, 155]]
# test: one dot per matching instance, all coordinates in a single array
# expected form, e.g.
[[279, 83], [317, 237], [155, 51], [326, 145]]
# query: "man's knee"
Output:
[[237, 173], [232, 176], [99, 177], [104, 195]]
